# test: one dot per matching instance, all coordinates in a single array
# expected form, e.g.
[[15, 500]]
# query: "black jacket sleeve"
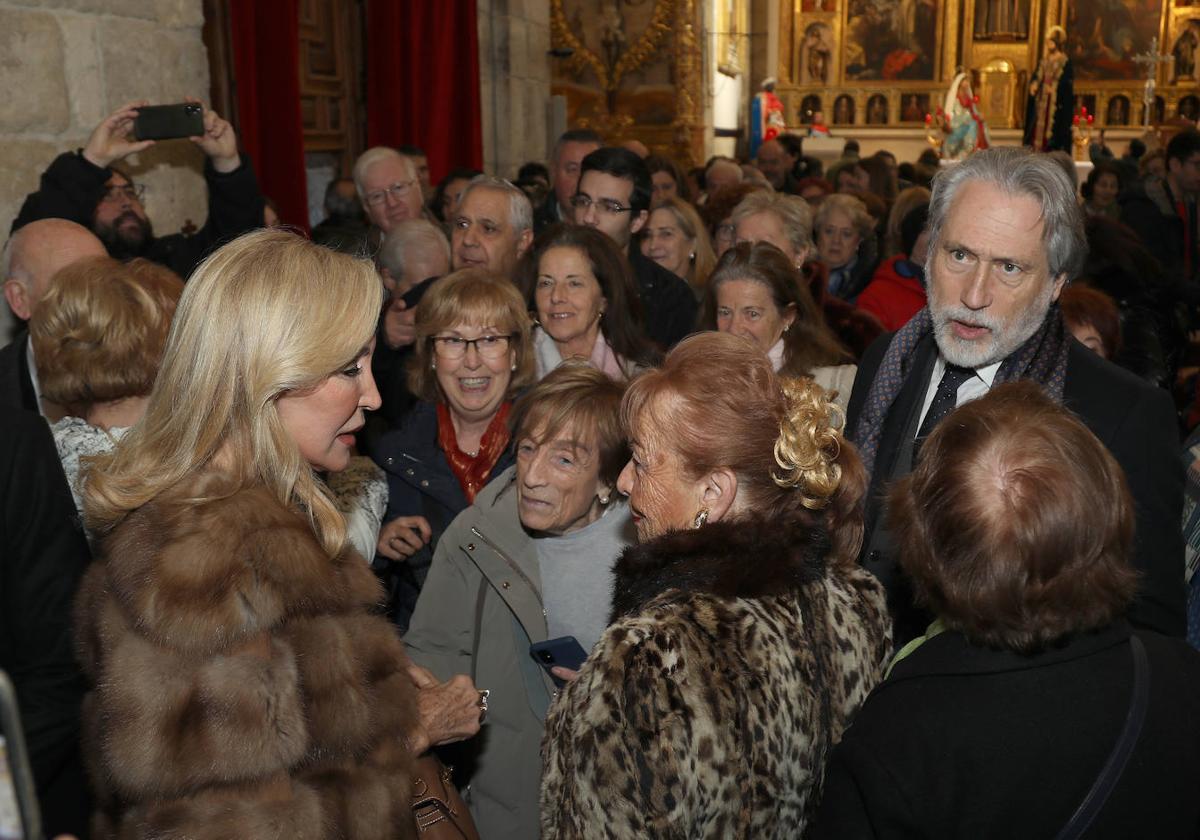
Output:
[[43, 554], [69, 189], [235, 206]]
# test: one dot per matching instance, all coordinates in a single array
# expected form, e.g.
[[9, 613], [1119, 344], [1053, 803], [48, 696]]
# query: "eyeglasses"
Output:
[[607, 205], [398, 191], [133, 192], [487, 346], [725, 232]]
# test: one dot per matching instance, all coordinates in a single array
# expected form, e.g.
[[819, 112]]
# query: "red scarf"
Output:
[[472, 472]]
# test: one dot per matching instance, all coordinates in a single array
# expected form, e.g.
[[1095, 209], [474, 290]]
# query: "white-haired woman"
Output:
[[242, 684]]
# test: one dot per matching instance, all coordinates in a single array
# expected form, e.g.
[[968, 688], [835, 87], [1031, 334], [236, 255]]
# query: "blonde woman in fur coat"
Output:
[[243, 684], [745, 634]]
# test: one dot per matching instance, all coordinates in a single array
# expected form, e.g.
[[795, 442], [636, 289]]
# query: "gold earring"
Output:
[[603, 500], [701, 518]]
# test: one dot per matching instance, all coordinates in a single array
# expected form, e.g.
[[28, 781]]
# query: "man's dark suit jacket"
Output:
[[43, 554], [16, 386], [668, 304], [1133, 419]]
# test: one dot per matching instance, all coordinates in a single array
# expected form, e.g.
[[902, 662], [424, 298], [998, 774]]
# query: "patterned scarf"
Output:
[[472, 471], [1042, 358]]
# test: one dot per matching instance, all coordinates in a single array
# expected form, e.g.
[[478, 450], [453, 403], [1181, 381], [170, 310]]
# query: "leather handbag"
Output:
[[438, 808]]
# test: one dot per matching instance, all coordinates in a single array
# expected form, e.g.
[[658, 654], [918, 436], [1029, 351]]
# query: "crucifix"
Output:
[[1151, 59]]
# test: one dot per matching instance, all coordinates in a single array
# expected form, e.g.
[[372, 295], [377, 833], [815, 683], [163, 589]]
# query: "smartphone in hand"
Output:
[[168, 122], [564, 651]]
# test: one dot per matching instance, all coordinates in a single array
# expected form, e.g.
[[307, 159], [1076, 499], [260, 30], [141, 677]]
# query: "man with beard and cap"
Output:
[[32, 256], [1005, 236], [84, 187]]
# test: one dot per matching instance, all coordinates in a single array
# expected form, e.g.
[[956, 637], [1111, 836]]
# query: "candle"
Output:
[[928, 118], [1076, 120]]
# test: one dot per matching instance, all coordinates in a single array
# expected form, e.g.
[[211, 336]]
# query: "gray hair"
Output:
[[407, 236], [791, 210], [1018, 172], [852, 207], [372, 156], [520, 211]]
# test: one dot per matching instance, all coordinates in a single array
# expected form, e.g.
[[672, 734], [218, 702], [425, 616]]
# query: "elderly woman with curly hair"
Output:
[[1031, 689], [745, 635]]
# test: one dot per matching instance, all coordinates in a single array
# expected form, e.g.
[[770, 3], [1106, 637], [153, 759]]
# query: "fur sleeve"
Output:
[[615, 746]]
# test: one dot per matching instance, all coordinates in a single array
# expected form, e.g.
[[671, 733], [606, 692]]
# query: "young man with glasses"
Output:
[[83, 187], [614, 197]]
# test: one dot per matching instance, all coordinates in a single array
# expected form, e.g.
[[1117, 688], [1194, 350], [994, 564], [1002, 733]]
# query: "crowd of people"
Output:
[[761, 499]]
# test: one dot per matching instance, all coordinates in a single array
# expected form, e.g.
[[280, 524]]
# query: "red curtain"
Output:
[[266, 57], [423, 80]]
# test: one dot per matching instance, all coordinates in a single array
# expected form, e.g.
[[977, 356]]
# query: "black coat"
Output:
[[16, 386], [43, 554], [1133, 419], [963, 741], [668, 303], [73, 186], [420, 483]]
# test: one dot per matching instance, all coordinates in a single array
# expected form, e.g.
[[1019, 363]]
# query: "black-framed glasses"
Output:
[[487, 346], [582, 202], [398, 191], [133, 192]]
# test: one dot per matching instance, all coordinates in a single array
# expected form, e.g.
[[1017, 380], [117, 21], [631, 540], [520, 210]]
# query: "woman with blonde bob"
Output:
[[745, 633], [242, 685], [676, 239]]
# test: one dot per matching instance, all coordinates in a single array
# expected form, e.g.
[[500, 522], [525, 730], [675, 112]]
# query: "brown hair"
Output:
[[908, 200], [576, 395], [1082, 305], [716, 402], [720, 205], [469, 296], [662, 163], [621, 323], [98, 333], [1016, 526], [882, 181], [808, 343]]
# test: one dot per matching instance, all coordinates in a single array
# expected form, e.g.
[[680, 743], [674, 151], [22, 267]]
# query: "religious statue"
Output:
[[1001, 19], [1184, 53], [964, 126], [766, 116], [817, 127], [1051, 98], [816, 54]]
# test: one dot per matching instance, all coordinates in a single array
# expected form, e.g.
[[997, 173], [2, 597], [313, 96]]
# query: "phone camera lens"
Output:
[[545, 656]]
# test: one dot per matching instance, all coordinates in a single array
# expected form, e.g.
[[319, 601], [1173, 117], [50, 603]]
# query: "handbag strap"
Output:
[[1082, 819]]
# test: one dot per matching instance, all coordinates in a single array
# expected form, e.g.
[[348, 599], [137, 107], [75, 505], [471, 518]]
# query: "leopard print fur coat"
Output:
[[736, 659]]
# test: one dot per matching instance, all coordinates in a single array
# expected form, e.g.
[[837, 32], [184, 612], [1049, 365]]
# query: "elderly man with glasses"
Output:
[[614, 197], [85, 188], [389, 187]]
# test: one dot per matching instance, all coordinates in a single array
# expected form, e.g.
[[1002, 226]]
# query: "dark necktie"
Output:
[[944, 399]]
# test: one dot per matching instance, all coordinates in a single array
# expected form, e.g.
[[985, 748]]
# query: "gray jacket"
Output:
[[479, 610]]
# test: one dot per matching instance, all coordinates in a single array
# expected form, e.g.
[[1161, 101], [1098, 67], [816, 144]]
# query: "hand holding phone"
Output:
[[169, 122], [563, 652]]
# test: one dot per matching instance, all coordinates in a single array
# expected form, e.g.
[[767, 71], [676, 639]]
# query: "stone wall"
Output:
[[66, 64], [514, 76]]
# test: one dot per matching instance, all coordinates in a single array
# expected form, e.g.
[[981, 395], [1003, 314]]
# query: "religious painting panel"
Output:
[[891, 40], [816, 54], [843, 110], [809, 106], [1001, 20], [1183, 50], [1104, 36], [1160, 108], [1189, 107], [733, 24], [1117, 112], [914, 107], [877, 110]]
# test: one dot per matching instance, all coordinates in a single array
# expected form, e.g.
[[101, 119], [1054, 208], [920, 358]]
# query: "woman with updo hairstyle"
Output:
[[1031, 707], [756, 293], [242, 683], [745, 635], [582, 292], [98, 336]]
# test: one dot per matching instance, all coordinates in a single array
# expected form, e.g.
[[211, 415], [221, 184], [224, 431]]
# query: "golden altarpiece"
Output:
[[649, 68]]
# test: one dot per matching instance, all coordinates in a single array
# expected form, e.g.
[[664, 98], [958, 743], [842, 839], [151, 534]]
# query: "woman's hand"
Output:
[[564, 673], [403, 537], [448, 711]]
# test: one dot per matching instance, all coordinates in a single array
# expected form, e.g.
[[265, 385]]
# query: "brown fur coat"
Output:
[[707, 709], [243, 687]]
